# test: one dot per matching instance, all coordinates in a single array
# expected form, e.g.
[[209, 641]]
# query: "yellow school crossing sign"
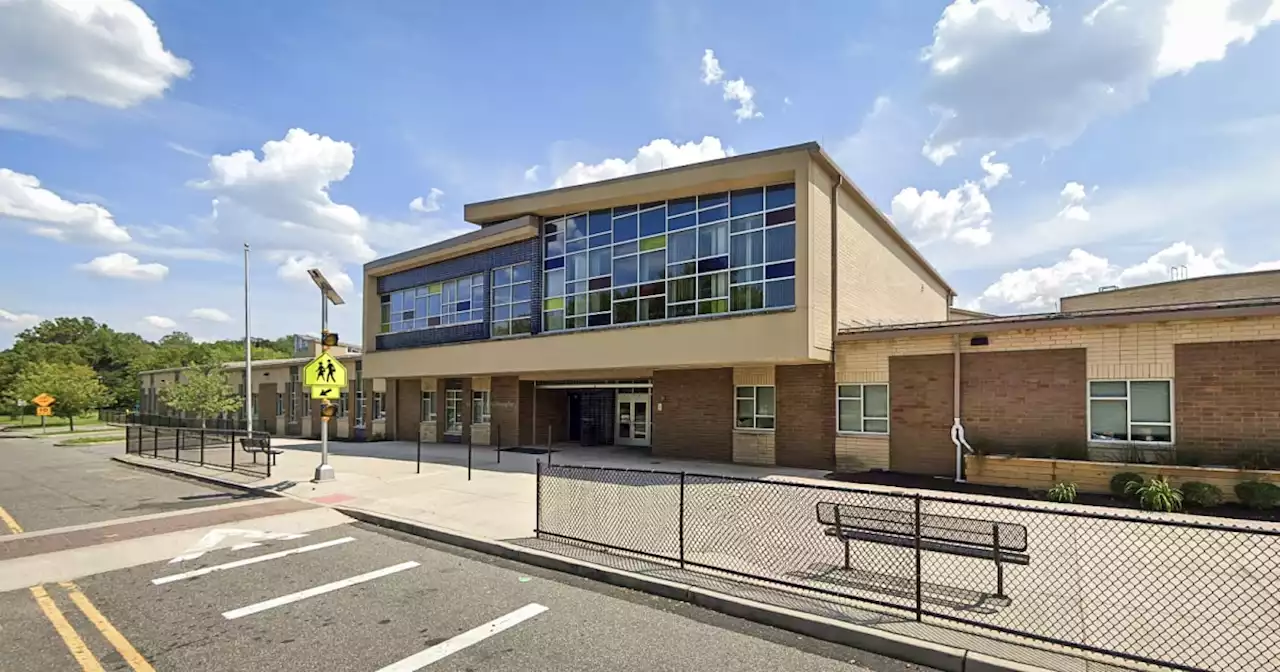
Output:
[[324, 371]]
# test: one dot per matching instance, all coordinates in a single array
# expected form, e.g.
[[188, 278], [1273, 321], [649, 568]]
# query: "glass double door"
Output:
[[633, 420]]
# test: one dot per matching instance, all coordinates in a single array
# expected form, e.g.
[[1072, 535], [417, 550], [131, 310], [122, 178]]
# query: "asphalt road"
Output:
[[183, 625], [45, 486]]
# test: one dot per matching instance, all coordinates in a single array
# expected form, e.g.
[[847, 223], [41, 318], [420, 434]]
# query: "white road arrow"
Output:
[[216, 538]]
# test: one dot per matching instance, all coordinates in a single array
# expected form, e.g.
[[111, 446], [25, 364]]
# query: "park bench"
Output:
[[260, 444], [1001, 543]]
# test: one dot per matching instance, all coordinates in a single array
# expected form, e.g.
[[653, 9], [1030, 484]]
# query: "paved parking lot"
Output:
[[355, 598]]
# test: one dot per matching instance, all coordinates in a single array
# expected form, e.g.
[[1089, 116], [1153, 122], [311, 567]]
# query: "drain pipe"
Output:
[[957, 429], [835, 262]]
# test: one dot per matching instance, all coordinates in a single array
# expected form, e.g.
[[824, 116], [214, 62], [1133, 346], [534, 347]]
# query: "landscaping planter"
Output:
[[1095, 477]]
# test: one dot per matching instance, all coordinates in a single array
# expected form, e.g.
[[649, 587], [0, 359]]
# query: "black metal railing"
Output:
[[1148, 588], [222, 449], [155, 420]]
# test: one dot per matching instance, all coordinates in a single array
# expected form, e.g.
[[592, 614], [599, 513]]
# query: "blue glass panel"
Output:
[[600, 261], [601, 240], [780, 243], [397, 303], [464, 305], [599, 221], [551, 227], [624, 228], [576, 227], [653, 266], [653, 222], [520, 272], [598, 320], [575, 287], [520, 292], [786, 269], [623, 210], [683, 268], [625, 271], [682, 310], [713, 264], [682, 246], [502, 276], [746, 249], [708, 200], [558, 262], [681, 205], [779, 195], [477, 295], [780, 293], [713, 215], [625, 248], [746, 275], [576, 245], [746, 201], [555, 246], [655, 204], [501, 312], [555, 283], [682, 222], [576, 267], [520, 310], [625, 293], [780, 216]]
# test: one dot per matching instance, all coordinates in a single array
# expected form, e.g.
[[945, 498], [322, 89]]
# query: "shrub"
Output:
[[1258, 495], [1063, 492], [1200, 494], [1120, 483], [1156, 494]]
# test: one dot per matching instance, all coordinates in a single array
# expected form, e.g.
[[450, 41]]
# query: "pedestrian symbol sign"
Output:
[[324, 371], [43, 399], [324, 392]]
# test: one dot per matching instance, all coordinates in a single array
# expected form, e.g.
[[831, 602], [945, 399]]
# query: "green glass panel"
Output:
[[435, 287], [554, 304], [653, 243]]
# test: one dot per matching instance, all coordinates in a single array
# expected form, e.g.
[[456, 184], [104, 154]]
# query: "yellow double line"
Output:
[[75, 644]]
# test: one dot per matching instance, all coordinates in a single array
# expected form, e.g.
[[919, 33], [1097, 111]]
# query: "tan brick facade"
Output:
[[1227, 399], [696, 420], [806, 416], [1213, 288]]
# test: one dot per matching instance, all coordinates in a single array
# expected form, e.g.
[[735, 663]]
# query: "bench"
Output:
[[1001, 543], [260, 444]]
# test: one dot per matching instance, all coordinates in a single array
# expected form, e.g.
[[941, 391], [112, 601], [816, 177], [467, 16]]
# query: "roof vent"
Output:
[[1108, 288]]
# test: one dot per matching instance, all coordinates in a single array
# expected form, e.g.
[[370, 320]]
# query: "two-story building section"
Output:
[[692, 311]]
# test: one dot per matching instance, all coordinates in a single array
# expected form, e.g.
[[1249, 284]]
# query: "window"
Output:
[[480, 407], [511, 299], [439, 304], [428, 406], [379, 406], [453, 411], [1131, 410], [279, 404], [754, 406], [359, 405], [293, 392], [704, 255], [862, 408], [342, 403]]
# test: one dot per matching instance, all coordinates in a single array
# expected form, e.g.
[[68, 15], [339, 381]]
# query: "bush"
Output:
[[1156, 494], [1258, 495], [1200, 494], [1062, 492], [1120, 483]]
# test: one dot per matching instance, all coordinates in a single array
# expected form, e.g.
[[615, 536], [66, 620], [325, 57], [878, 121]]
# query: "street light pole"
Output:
[[328, 294], [248, 353]]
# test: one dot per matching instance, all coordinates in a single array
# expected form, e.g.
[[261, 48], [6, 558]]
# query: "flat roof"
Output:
[[1183, 281], [1100, 316]]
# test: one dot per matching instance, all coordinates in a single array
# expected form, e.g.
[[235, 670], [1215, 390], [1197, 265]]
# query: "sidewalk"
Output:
[[498, 504]]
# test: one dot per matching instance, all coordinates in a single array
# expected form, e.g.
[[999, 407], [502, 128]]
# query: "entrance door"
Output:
[[453, 413], [633, 423]]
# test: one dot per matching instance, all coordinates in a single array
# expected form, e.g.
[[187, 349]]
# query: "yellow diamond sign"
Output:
[[43, 399], [324, 371]]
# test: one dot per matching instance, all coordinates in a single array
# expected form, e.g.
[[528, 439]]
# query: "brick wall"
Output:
[[696, 420], [526, 413], [551, 410], [408, 408], [1023, 399], [1227, 398], [920, 414], [504, 410], [806, 423], [266, 410]]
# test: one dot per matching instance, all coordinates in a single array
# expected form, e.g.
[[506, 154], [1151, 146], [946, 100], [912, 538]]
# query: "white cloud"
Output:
[[996, 172], [1005, 71], [105, 51], [159, 322], [656, 155], [183, 149], [1073, 196], [786, 100], [531, 175], [1038, 289], [962, 215], [17, 321], [736, 90], [124, 266], [430, 204], [22, 198], [209, 315]]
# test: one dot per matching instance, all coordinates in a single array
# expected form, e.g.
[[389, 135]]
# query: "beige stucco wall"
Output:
[[1218, 288]]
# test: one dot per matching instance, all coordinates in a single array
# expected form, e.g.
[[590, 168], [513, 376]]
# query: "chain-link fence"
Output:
[[204, 447], [1144, 587]]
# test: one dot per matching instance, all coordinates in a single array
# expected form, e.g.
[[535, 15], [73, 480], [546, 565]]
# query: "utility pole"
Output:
[[248, 353], [324, 472]]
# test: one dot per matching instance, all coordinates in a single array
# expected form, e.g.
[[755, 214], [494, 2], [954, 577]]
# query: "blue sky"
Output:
[[142, 143]]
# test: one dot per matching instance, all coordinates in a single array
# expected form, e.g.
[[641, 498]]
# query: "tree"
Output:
[[75, 387], [204, 391]]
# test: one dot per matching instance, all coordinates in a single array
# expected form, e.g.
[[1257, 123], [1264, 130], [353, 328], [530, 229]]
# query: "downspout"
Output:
[[835, 263], [957, 429]]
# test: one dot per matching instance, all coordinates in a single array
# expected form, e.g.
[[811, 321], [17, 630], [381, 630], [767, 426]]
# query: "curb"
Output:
[[208, 480], [901, 647]]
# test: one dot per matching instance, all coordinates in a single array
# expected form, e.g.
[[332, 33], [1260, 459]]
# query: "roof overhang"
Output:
[[515, 230]]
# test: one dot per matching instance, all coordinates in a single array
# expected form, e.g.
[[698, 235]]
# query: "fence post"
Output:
[[682, 520], [919, 581], [177, 447], [233, 447], [202, 446], [468, 456], [548, 445], [498, 441], [155, 443], [419, 450], [537, 507]]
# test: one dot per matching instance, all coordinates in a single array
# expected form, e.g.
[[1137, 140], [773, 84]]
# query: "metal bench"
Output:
[[260, 444], [1001, 543]]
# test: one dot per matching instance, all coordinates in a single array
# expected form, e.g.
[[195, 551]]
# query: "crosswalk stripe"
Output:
[[318, 590], [451, 646], [249, 561]]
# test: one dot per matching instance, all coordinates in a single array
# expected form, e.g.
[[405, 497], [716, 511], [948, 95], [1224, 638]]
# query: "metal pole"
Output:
[[537, 507], [248, 364], [419, 450], [919, 588], [155, 443], [324, 472], [468, 456], [681, 520], [498, 441], [177, 447], [548, 445], [233, 446]]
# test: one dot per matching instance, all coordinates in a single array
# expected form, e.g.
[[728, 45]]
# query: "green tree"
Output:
[[204, 391], [75, 387]]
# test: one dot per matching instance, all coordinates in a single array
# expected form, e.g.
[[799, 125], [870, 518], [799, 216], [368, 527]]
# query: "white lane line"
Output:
[[451, 646], [249, 561], [318, 590]]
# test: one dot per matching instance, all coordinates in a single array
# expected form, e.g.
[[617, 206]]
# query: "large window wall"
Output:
[[724, 252], [439, 304]]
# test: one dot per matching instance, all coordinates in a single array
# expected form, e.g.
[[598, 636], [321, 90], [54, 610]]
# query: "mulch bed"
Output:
[[920, 482]]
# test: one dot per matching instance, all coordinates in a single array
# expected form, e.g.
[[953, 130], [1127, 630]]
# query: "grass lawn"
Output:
[[51, 421], [83, 440]]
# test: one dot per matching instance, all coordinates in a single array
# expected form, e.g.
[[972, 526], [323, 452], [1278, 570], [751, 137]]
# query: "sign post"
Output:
[[44, 408], [325, 375], [22, 411]]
